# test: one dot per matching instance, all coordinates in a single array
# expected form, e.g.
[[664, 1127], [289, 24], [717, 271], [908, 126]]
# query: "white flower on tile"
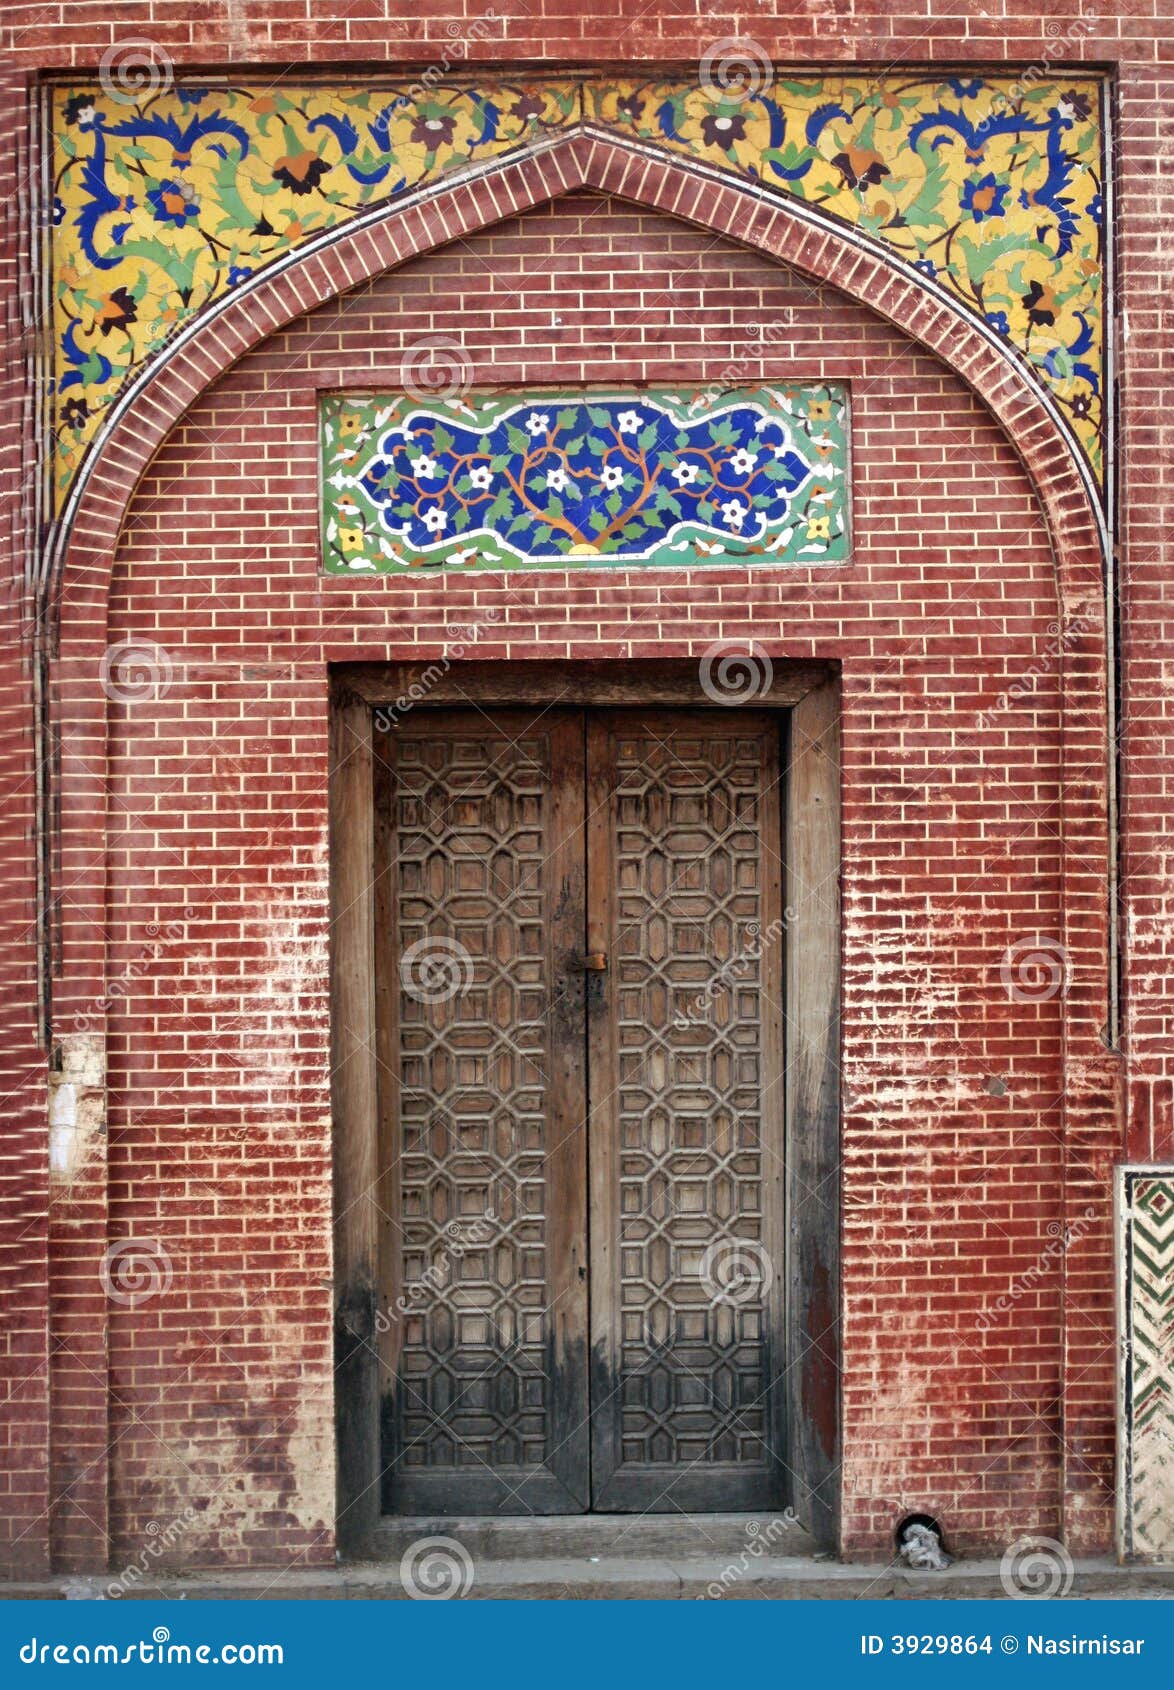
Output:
[[556, 479], [743, 461], [481, 476], [425, 466], [734, 513], [612, 475], [538, 422], [629, 422], [685, 474], [436, 520]]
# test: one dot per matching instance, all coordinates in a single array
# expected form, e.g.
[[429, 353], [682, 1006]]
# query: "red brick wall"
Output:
[[219, 1105], [24, 1337], [1134, 36]]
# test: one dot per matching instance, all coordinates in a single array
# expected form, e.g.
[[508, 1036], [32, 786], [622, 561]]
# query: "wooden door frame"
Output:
[[808, 693]]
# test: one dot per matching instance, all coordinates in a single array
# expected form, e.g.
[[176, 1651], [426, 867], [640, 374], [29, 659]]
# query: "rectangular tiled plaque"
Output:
[[1146, 1244], [562, 479]]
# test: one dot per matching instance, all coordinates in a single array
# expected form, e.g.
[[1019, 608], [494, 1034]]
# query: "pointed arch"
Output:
[[786, 230], [389, 236]]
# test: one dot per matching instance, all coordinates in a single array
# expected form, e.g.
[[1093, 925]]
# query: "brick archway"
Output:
[[785, 232], [362, 249]]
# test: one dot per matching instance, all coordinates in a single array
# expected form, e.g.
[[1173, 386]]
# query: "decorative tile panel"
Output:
[[164, 204], [1147, 1309], [552, 479]]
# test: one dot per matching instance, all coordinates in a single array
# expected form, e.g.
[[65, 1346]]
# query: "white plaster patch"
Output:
[[76, 1104]]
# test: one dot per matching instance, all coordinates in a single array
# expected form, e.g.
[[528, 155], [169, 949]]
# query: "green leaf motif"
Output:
[[639, 518]]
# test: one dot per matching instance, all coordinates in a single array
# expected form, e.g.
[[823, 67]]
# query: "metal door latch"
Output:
[[594, 962]]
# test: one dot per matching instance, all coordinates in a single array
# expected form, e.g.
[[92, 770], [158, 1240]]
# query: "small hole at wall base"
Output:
[[927, 1523]]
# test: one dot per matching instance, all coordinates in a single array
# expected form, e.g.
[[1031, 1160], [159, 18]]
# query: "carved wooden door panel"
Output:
[[579, 978], [483, 1316], [686, 1064]]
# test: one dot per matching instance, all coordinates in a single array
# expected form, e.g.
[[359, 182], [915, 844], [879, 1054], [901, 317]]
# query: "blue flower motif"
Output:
[[1096, 208], [998, 322], [968, 89], [985, 197], [238, 274], [172, 204], [559, 482], [927, 267]]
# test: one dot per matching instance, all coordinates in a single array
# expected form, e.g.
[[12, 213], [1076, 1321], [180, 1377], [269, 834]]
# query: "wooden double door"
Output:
[[579, 985]]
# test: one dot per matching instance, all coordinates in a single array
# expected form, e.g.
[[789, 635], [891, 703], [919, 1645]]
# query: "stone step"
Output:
[[582, 1537], [778, 1579]]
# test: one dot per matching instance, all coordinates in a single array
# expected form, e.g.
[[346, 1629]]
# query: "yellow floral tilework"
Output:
[[163, 205]]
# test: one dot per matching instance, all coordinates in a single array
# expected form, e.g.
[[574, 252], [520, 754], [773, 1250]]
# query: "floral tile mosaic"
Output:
[[164, 204], [992, 188], [554, 479]]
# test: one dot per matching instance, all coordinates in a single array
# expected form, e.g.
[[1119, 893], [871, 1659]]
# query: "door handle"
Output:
[[593, 962]]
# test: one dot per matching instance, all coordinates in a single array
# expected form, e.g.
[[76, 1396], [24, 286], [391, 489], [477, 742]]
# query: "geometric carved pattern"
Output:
[[1148, 1432], [493, 831], [470, 817], [689, 864]]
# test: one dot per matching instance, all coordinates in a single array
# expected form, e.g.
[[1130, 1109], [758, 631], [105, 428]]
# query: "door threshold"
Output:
[[584, 1537]]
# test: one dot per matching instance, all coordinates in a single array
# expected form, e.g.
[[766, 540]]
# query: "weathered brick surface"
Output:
[[219, 1052], [953, 826], [24, 1286]]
